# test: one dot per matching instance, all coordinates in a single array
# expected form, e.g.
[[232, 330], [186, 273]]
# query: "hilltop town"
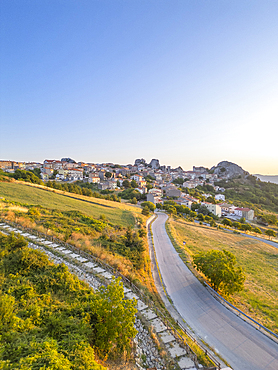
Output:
[[105, 217], [153, 181]]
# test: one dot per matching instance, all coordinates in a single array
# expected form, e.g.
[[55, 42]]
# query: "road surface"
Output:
[[239, 343]]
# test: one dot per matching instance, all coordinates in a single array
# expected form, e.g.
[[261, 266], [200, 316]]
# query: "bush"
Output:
[[51, 319], [150, 205]]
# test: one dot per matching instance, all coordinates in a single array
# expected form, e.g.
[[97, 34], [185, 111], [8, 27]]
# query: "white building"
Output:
[[247, 213], [213, 208], [75, 174], [220, 197], [153, 198], [137, 177], [93, 178]]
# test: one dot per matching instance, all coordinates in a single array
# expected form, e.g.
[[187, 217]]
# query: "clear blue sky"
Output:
[[188, 82]]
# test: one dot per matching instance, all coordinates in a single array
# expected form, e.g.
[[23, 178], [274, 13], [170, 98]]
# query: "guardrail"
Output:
[[144, 298], [213, 359], [221, 299]]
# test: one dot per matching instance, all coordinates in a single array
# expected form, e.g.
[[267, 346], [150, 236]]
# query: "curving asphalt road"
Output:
[[239, 343]]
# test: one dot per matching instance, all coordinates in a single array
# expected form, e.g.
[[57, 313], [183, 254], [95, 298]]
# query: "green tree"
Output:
[[227, 222], [193, 214], [171, 210], [150, 205], [108, 175], [133, 184], [37, 172], [236, 225], [220, 269], [270, 233], [126, 184], [170, 202], [195, 206], [201, 217], [146, 211], [133, 201], [208, 219], [115, 318], [203, 209], [178, 181], [257, 230], [246, 227], [212, 223], [210, 199]]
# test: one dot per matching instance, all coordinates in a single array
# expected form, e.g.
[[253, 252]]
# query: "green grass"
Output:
[[258, 259], [116, 213]]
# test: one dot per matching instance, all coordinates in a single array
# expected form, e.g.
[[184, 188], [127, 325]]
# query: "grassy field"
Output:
[[259, 261], [61, 216], [116, 213]]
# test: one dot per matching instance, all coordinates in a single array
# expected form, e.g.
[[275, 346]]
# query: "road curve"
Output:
[[239, 343]]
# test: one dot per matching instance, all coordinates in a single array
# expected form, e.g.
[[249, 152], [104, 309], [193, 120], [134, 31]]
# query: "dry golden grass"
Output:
[[258, 259], [5, 206], [89, 244]]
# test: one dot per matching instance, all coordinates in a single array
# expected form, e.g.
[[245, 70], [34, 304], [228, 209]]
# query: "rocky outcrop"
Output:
[[154, 163], [139, 161], [229, 170], [68, 160]]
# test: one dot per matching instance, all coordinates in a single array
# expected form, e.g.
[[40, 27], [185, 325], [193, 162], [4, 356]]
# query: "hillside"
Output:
[[115, 212], [250, 192], [109, 230]]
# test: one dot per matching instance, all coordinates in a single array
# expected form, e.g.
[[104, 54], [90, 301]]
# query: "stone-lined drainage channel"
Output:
[[147, 355]]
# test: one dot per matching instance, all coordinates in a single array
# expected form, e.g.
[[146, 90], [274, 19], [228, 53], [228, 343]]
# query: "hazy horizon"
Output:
[[132, 162], [189, 83]]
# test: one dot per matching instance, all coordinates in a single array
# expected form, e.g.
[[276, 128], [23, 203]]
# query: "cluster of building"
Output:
[[111, 176], [219, 209], [11, 166]]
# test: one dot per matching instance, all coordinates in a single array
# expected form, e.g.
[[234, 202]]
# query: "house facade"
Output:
[[213, 208], [247, 213], [93, 178]]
